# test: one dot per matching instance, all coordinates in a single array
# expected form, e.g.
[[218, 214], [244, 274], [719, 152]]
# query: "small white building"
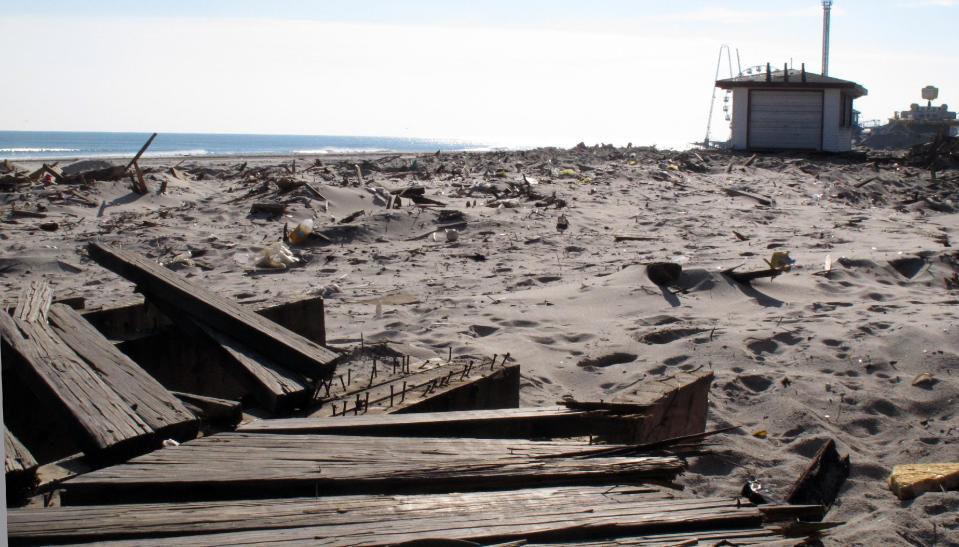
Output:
[[792, 110]]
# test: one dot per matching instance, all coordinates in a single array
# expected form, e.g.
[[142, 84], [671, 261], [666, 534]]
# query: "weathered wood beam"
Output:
[[519, 423], [102, 420], [158, 408], [20, 468], [558, 514], [248, 466], [258, 333]]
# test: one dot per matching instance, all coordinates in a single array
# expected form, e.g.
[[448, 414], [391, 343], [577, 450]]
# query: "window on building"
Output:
[[846, 111]]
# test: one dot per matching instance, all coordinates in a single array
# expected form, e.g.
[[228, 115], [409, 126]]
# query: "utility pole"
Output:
[[826, 9]]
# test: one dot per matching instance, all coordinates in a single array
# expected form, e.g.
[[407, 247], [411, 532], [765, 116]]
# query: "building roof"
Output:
[[792, 79]]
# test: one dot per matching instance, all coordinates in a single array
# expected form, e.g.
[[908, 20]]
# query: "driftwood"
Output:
[[219, 313], [755, 197], [555, 515], [249, 466], [746, 277]]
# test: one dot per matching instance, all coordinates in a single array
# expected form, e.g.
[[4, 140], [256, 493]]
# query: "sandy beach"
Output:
[[857, 342]]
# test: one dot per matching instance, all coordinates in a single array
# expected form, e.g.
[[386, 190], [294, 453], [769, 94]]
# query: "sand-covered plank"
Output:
[[260, 334]]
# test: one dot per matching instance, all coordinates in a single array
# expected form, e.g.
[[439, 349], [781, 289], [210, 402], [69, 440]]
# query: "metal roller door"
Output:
[[785, 119]]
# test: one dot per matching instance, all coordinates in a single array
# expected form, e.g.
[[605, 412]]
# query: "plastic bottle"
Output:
[[302, 231]]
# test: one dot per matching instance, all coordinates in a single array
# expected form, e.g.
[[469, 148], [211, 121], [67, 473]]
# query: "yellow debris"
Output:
[[910, 480]]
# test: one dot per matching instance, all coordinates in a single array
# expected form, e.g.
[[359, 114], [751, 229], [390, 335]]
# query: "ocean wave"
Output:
[[28, 150], [338, 150], [170, 153]]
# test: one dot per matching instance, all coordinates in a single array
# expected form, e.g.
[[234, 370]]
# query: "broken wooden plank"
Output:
[[158, 408], [671, 407], [140, 152], [275, 387], [103, 422], [511, 423], [822, 479], [762, 200], [139, 184], [34, 301], [222, 314], [248, 466], [557, 514], [212, 410], [20, 468]]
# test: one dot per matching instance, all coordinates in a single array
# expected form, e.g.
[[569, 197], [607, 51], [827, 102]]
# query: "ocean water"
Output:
[[61, 144]]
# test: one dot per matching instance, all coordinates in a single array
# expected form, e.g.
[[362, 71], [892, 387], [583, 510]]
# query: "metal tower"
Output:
[[826, 9]]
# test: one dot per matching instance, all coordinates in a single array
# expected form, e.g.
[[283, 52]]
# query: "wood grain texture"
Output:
[[103, 420], [158, 408], [259, 465], [510, 423], [557, 514]]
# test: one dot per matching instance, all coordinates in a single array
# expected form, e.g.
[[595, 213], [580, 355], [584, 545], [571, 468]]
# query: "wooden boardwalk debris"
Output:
[[510, 423], [252, 465], [558, 514], [674, 406], [20, 468], [222, 314], [822, 479], [211, 409], [446, 387], [102, 420], [158, 408]]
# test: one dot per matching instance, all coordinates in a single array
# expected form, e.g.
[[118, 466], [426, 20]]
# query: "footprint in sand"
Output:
[[481, 331], [609, 360]]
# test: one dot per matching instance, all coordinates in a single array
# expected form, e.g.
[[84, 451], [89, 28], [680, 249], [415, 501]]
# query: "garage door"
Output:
[[785, 119]]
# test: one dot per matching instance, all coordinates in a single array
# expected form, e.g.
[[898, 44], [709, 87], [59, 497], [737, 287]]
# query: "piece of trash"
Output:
[[911, 480], [562, 223], [169, 443], [567, 173], [664, 274], [827, 264], [301, 232], [185, 258], [761, 434], [924, 380], [449, 235], [781, 261], [277, 256]]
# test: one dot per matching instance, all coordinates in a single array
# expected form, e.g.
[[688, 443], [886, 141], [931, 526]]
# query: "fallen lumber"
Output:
[[20, 468], [670, 407], [912, 480], [275, 387], [222, 314], [158, 408], [448, 387], [261, 465], [822, 479], [557, 514], [211, 409], [102, 421], [510, 423]]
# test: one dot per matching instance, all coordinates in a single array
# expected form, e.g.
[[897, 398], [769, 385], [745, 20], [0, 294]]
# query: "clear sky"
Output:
[[497, 71]]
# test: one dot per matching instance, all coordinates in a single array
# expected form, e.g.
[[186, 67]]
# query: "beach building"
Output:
[[792, 109]]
